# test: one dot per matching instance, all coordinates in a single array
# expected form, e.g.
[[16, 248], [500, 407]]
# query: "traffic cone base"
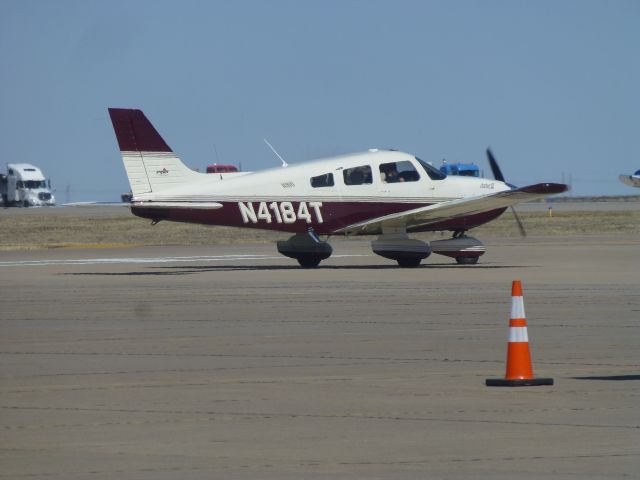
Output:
[[520, 382], [519, 370]]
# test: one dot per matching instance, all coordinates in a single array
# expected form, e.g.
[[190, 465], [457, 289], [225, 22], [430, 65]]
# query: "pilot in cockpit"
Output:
[[389, 174]]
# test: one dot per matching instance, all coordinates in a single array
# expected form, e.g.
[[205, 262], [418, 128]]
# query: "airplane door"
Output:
[[400, 179], [383, 187]]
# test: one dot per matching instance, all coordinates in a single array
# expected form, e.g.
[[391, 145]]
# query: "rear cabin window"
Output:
[[358, 175], [325, 180], [395, 172]]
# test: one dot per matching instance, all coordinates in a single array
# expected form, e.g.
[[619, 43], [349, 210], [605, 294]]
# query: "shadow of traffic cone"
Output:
[[519, 372]]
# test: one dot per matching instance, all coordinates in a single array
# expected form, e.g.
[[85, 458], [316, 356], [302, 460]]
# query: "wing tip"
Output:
[[545, 188]]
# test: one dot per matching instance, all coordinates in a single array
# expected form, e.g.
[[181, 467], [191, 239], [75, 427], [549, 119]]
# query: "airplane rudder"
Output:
[[135, 133], [150, 163]]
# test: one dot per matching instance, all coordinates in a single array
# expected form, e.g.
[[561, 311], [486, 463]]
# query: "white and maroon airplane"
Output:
[[379, 192]]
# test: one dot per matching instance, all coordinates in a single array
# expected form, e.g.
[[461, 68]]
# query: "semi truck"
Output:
[[24, 185]]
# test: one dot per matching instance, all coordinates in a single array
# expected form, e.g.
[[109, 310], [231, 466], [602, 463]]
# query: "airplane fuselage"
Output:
[[323, 195], [326, 218]]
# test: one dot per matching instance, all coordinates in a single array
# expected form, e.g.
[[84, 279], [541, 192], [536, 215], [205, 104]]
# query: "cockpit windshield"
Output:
[[32, 184], [433, 172]]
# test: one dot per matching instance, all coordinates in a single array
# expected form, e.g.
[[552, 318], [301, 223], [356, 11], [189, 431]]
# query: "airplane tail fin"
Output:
[[150, 163]]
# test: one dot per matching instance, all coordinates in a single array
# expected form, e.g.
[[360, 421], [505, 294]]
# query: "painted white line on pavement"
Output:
[[132, 260]]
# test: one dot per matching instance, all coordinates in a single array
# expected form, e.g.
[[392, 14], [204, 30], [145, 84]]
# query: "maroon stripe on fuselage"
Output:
[[325, 219]]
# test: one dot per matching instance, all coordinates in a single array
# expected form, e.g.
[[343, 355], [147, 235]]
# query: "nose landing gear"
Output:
[[466, 250]]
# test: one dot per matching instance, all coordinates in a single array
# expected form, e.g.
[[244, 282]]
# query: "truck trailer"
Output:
[[24, 185]]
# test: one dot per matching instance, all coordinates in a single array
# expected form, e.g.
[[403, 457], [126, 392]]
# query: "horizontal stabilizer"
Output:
[[178, 205]]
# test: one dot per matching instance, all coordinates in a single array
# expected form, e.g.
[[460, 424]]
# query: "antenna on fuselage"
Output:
[[284, 164]]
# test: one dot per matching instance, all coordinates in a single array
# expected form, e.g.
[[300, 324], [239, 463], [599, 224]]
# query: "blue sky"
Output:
[[551, 86]]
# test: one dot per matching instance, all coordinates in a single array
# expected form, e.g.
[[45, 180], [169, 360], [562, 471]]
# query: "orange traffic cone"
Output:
[[519, 372]]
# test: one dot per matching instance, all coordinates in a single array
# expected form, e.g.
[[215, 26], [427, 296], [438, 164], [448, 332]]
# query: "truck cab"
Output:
[[460, 169], [24, 185]]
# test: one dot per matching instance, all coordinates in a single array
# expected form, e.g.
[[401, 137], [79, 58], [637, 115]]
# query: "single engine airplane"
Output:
[[631, 180], [386, 193]]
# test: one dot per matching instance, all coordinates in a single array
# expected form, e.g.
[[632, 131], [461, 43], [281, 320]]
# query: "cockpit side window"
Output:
[[433, 172], [325, 180], [357, 175], [403, 171]]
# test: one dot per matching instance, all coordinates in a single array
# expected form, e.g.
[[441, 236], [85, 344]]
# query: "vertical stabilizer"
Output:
[[150, 163]]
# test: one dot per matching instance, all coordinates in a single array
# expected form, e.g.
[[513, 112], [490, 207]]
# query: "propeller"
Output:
[[497, 174]]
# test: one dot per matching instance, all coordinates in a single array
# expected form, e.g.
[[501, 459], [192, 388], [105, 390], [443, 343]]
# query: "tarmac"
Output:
[[231, 362]]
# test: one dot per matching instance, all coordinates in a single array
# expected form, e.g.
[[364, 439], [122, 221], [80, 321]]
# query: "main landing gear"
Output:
[[306, 248], [309, 250], [410, 252]]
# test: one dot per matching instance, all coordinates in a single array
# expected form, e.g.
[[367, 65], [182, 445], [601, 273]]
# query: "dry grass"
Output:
[[47, 230], [564, 223], [54, 231]]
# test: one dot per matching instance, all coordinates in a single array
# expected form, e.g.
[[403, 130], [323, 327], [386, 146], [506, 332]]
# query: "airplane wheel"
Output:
[[467, 260], [409, 262], [309, 261]]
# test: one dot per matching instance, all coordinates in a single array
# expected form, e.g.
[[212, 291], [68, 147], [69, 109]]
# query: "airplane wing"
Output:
[[631, 180], [443, 211], [93, 204]]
